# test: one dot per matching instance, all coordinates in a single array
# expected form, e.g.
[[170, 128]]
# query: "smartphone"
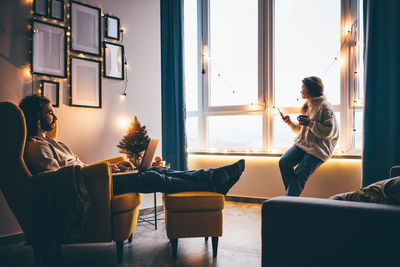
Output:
[[280, 112]]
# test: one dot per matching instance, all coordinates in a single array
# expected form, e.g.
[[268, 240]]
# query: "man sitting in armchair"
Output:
[[46, 154]]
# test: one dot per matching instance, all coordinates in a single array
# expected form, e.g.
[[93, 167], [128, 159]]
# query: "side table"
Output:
[[154, 218]]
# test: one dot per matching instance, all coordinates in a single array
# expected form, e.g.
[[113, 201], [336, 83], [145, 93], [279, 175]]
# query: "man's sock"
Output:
[[225, 177]]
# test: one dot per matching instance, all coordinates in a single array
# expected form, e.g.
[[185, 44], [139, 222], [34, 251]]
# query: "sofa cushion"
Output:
[[386, 192]]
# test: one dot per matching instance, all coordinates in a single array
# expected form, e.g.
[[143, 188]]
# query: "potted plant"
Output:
[[134, 142]]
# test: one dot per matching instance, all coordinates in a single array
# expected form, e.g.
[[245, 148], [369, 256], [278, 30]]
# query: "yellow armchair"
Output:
[[112, 217]]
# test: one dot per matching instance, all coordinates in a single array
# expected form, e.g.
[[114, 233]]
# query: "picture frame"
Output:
[[111, 27], [48, 55], [57, 10], [40, 8], [85, 82], [51, 90], [113, 61], [85, 29]]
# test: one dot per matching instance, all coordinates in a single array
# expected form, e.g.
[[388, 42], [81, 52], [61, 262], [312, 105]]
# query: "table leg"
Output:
[[155, 210]]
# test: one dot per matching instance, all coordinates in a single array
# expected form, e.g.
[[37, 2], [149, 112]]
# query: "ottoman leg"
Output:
[[215, 246], [174, 245]]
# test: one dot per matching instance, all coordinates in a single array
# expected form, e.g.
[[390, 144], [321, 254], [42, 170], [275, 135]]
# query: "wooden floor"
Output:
[[240, 245]]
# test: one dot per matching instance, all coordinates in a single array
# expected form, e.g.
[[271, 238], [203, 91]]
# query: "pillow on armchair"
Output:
[[385, 192]]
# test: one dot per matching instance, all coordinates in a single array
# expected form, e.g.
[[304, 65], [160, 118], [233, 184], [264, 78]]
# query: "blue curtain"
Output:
[[172, 85], [382, 89]]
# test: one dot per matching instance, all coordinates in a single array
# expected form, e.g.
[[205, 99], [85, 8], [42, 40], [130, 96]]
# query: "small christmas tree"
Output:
[[134, 142]]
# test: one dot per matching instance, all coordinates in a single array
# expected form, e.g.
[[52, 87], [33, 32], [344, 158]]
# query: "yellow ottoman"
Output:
[[193, 214]]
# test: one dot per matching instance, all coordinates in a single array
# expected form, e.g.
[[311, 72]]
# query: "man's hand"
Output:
[[125, 165], [122, 166], [114, 168]]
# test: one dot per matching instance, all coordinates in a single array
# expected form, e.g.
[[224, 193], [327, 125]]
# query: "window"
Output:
[[244, 60]]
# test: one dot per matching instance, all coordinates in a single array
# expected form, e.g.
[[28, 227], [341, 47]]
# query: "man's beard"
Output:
[[45, 125]]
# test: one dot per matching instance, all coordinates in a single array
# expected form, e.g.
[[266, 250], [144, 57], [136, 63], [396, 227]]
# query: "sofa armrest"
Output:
[[99, 185], [113, 160], [323, 232], [395, 171]]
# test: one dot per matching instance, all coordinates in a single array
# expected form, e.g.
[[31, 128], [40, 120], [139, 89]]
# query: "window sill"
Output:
[[263, 154]]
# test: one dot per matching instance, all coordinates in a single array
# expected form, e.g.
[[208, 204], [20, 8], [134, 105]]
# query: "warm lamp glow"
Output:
[[27, 72], [123, 122], [28, 2]]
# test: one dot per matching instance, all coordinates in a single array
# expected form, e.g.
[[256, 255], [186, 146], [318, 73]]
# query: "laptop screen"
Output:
[[148, 154]]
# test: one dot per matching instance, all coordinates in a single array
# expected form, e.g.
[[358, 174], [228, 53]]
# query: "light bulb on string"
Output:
[[205, 59], [252, 106]]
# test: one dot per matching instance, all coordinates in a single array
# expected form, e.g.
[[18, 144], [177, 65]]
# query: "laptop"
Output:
[[147, 158]]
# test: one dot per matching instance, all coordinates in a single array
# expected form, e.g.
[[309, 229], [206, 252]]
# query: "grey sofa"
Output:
[[324, 232]]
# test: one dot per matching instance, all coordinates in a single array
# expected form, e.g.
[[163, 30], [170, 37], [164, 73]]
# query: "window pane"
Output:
[[192, 132], [234, 52], [360, 43], [236, 131], [283, 134], [338, 148], [307, 39], [191, 54], [358, 134]]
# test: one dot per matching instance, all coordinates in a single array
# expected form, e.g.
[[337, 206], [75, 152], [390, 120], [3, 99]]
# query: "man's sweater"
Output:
[[47, 154], [319, 138]]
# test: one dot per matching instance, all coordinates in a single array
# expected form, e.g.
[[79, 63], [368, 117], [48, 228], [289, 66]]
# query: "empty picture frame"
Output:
[[85, 82], [85, 28], [57, 9], [48, 49], [40, 7], [51, 90], [111, 27], [113, 61]]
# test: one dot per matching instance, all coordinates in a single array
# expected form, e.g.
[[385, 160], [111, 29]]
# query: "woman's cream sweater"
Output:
[[319, 138]]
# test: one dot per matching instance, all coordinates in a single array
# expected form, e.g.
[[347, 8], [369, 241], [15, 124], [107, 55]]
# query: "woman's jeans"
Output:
[[166, 181], [295, 179]]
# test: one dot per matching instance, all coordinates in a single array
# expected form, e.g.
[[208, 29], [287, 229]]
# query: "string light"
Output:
[[125, 68]]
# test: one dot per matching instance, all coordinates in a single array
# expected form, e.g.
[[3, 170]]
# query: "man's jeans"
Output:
[[295, 179], [167, 181]]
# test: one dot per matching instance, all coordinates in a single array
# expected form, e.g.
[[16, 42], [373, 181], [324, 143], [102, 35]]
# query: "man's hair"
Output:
[[314, 86], [32, 106]]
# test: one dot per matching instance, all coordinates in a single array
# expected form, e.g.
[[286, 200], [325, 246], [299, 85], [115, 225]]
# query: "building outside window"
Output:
[[243, 61]]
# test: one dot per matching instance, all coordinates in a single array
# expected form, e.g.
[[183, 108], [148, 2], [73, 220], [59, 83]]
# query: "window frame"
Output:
[[350, 101]]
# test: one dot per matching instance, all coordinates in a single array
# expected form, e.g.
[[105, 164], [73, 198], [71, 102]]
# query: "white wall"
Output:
[[91, 133]]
